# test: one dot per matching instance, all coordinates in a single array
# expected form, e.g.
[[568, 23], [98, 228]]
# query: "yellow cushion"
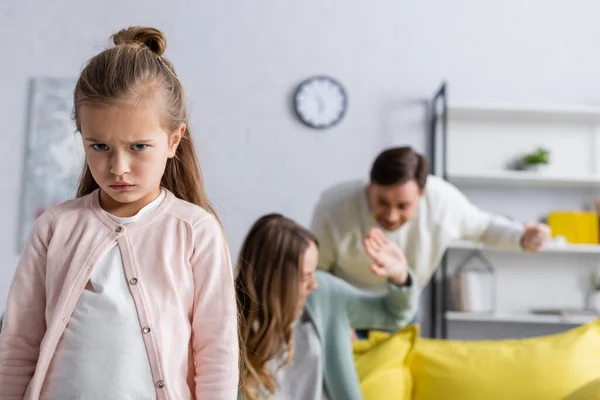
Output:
[[591, 391], [382, 365], [543, 368]]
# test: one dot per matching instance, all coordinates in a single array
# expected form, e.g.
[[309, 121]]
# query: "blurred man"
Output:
[[420, 214]]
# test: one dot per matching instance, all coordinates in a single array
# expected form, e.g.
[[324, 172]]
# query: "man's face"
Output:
[[394, 205]]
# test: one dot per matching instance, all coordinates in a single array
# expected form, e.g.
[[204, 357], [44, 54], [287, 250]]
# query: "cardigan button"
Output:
[[133, 281], [146, 330], [160, 384], [119, 229]]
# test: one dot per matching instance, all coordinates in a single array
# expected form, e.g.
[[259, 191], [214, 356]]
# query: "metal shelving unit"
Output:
[[438, 161], [438, 154]]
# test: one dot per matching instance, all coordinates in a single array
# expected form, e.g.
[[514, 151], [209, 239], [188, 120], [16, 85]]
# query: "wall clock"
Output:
[[320, 102]]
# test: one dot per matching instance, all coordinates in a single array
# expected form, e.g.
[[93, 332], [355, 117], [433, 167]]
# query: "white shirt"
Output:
[[343, 218], [101, 354], [303, 379]]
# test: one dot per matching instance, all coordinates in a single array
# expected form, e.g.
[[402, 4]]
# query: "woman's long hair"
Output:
[[267, 285]]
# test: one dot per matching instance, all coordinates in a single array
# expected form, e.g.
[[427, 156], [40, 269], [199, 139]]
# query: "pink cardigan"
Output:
[[179, 272]]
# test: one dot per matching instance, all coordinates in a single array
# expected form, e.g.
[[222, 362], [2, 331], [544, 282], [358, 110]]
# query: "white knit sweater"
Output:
[[342, 219]]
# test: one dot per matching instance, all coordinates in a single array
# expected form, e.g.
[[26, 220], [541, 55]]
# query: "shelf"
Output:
[[524, 178], [568, 248], [547, 113], [525, 318]]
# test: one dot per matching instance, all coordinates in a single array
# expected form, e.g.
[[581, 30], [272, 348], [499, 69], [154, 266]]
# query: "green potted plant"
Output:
[[537, 160]]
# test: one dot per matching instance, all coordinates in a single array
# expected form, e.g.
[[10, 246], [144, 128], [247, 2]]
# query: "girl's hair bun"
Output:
[[152, 38]]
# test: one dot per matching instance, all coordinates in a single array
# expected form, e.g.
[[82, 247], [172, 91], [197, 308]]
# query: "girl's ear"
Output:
[[175, 138]]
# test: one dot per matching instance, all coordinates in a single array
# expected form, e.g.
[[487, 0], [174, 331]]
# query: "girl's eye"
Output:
[[139, 146], [100, 147]]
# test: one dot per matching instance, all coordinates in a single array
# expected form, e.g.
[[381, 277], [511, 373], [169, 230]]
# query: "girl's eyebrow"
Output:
[[137, 141], [129, 143]]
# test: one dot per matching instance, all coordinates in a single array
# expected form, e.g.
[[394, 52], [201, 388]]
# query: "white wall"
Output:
[[239, 62]]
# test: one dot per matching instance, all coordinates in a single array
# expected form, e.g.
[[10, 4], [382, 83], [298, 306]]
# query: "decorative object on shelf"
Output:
[[473, 288], [578, 227], [595, 301], [565, 312], [320, 102], [570, 316], [597, 208], [557, 242], [593, 297], [536, 161]]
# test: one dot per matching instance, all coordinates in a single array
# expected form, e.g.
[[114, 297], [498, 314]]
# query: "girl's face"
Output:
[[126, 149]]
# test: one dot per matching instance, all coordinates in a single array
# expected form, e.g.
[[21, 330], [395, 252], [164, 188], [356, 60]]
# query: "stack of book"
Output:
[[577, 227]]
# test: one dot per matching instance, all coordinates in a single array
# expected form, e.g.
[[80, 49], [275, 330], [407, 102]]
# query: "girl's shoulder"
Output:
[[192, 214], [68, 206], [57, 212], [59, 217]]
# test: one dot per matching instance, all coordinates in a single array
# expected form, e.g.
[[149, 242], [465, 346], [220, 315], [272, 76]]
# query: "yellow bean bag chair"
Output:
[[382, 364], [402, 366], [542, 368], [591, 391]]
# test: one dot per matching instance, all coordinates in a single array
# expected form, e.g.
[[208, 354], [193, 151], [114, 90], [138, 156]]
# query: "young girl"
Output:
[[127, 291], [296, 322]]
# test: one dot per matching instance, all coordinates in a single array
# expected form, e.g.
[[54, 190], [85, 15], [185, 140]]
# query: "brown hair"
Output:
[[399, 165], [134, 72], [267, 293]]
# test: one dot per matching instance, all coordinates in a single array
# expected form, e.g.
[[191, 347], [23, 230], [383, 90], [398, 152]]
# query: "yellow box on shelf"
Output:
[[579, 227]]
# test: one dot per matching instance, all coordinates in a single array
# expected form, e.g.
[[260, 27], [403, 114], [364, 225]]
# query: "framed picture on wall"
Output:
[[54, 153]]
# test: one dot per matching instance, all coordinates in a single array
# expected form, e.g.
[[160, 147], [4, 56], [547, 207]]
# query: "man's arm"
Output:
[[492, 230], [477, 225], [503, 233]]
